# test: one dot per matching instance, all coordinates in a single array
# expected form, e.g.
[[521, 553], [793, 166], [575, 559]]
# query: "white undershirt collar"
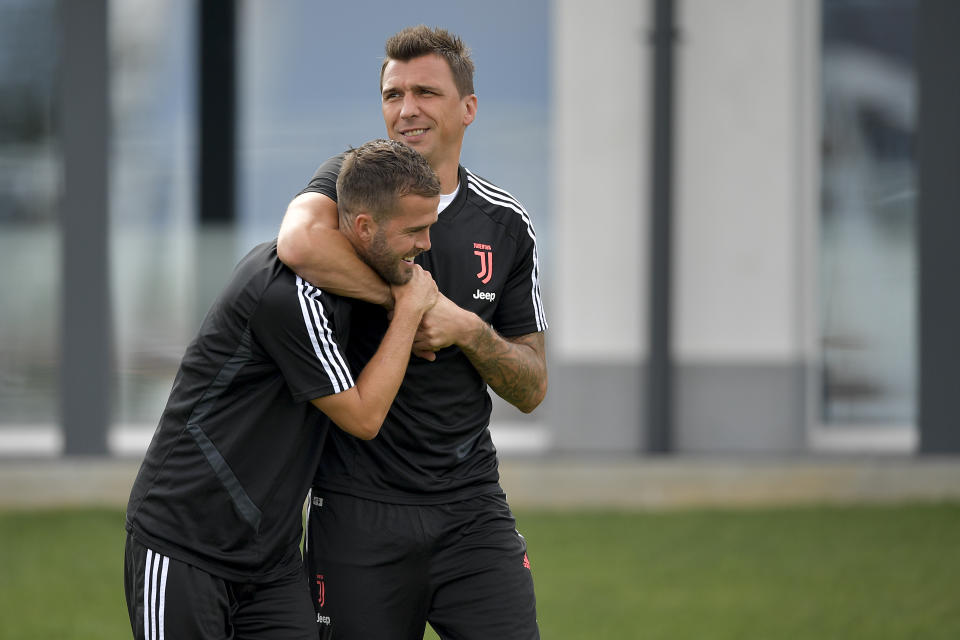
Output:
[[447, 198]]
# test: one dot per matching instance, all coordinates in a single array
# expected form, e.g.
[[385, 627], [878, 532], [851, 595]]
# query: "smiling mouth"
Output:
[[412, 133]]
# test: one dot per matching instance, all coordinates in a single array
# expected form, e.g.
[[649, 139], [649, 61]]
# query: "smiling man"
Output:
[[414, 526], [213, 521]]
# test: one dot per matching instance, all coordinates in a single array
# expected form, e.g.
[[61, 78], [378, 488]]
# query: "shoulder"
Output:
[[287, 287], [497, 203], [332, 165], [324, 179], [265, 279], [292, 302], [256, 270]]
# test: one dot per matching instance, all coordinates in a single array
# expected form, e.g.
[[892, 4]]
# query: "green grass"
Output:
[[799, 573], [858, 572], [61, 575]]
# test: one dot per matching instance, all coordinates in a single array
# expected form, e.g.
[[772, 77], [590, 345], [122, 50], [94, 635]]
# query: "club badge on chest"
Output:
[[485, 253]]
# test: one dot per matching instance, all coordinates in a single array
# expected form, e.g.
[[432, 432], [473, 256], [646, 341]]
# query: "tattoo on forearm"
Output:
[[513, 367]]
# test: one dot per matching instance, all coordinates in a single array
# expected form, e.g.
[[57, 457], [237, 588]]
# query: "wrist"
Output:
[[471, 327], [387, 300], [406, 314]]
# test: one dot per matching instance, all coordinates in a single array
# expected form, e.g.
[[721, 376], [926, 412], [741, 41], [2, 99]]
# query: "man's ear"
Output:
[[469, 109], [364, 227]]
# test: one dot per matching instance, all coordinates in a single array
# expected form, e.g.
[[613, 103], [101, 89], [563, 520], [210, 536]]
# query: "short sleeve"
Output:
[[324, 180], [521, 308], [298, 327]]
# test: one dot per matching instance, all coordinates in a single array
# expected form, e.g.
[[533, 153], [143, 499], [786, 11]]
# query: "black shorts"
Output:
[[381, 571], [169, 599]]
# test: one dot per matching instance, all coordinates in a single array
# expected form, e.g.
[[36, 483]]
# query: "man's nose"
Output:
[[410, 107], [423, 242]]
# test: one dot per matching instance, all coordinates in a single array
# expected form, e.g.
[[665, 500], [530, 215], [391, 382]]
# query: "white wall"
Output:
[[744, 195], [600, 139], [745, 205], [597, 298]]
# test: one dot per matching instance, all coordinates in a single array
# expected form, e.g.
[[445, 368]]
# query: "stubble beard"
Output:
[[379, 258]]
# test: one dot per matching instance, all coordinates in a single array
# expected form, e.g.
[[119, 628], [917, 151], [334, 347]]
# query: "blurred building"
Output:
[[748, 282]]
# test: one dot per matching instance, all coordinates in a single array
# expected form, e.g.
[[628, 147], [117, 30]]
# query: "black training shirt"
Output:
[[223, 481], [434, 446]]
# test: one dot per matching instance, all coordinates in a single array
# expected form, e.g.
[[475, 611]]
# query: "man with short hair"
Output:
[[213, 521], [414, 526]]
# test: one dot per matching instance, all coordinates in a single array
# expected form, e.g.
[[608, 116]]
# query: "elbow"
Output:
[[528, 404], [528, 407], [367, 434], [367, 429], [289, 251]]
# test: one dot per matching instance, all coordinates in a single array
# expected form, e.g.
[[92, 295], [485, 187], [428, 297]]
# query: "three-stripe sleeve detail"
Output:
[[498, 196], [155, 571], [321, 336]]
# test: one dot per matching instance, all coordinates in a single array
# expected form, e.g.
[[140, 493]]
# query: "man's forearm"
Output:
[[380, 379], [341, 271], [361, 410], [515, 368], [310, 244]]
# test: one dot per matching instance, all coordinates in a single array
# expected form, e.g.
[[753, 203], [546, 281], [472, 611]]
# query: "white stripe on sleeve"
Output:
[[499, 197], [321, 337]]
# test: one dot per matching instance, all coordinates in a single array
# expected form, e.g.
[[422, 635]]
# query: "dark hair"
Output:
[[421, 40], [378, 172]]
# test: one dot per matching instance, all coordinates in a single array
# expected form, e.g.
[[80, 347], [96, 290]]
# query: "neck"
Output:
[[449, 176], [347, 231], [447, 168]]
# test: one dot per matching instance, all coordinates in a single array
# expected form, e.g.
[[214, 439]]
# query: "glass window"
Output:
[[309, 88], [152, 221], [867, 258], [29, 239]]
